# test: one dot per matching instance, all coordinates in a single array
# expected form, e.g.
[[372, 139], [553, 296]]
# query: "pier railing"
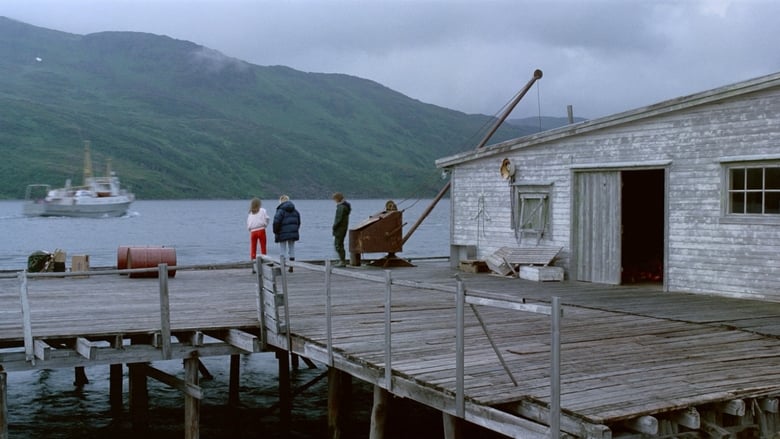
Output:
[[462, 296], [162, 271]]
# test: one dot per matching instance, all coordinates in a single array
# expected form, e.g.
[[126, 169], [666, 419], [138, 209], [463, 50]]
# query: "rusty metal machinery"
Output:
[[380, 233]]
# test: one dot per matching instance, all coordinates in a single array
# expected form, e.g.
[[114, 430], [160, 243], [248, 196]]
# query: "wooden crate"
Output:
[[541, 274], [79, 263], [474, 266]]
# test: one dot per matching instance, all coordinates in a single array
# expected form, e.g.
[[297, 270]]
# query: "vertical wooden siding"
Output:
[[705, 255], [597, 227]]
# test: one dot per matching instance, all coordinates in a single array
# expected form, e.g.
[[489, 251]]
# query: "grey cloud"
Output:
[[602, 56]]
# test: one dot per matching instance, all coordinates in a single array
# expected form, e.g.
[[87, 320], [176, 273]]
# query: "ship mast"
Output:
[[87, 162]]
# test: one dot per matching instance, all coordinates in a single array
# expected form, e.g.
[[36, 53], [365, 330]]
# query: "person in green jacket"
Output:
[[340, 226]]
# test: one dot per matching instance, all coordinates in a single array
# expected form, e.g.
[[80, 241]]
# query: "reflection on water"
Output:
[[46, 404]]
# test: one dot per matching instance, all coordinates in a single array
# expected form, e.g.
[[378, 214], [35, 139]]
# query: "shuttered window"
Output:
[[754, 190], [531, 212]]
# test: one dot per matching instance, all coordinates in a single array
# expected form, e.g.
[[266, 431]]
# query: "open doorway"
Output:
[[642, 226]]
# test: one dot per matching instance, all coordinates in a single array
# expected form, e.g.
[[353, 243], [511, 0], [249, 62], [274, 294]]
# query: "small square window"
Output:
[[753, 189]]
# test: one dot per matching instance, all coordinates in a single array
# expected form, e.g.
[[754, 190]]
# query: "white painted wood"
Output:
[[541, 274], [691, 138]]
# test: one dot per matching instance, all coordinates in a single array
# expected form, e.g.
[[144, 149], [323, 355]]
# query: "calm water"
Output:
[[201, 231], [45, 404]]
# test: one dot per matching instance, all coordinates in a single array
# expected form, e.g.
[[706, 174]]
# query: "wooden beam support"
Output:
[[734, 407], [689, 418], [769, 405], [243, 340], [643, 424], [185, 386], [569, 424], [156, 340], [247, 342], [136, 353], [85, 348], [42, 349], [714, 430], [204, 372], [192, 338]]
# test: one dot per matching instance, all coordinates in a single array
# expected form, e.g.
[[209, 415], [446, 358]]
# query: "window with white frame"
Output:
[[531, 212], [753, 189]]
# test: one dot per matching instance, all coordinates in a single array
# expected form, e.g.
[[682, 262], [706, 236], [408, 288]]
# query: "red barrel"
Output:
[[149, 257], [121, 257], [121, 254]]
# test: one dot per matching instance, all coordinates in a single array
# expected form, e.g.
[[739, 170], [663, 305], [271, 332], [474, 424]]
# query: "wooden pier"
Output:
[[633, 361]]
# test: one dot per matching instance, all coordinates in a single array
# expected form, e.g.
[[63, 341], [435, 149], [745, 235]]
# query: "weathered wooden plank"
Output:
[[242, 340], [85, 348], [657, 353]]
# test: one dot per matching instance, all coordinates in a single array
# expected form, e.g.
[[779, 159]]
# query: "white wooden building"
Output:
[[685, 192]]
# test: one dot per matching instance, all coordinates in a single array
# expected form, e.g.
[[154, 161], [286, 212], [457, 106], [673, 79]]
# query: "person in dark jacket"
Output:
[[340, 225], [287, 222]]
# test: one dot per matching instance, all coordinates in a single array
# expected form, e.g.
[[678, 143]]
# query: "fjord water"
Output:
[[202, 231], [46, 404]]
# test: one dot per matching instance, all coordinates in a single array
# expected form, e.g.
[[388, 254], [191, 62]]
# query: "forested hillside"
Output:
[[179, 120]]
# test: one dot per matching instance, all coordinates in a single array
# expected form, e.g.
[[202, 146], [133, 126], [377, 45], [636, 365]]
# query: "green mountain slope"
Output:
[[179, 120]]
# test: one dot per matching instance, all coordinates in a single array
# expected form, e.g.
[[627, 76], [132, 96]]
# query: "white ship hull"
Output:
[[79, 207]]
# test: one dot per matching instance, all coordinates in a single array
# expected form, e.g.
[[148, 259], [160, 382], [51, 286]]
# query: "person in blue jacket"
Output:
[[287, 222]]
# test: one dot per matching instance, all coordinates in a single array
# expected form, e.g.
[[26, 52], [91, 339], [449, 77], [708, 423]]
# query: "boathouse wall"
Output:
[[693, 142]]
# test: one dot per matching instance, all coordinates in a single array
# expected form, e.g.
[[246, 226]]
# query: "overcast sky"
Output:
[[601, 57]]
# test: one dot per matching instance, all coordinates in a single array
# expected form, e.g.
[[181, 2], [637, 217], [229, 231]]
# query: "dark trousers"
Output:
[[338, 243]]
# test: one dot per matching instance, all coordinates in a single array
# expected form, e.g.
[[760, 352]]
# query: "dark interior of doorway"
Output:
[[642, 213]]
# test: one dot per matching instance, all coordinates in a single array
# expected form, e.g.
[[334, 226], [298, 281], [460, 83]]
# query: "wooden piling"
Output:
[[379, 413], [80, 376], [295, 361], [452, 426], [3, 404], [339, 390], [235, 371], [139, 396], [115, 387], [191, 404], [285, 395]]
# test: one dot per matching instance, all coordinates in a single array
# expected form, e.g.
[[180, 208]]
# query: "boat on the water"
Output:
[[97, 197]]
